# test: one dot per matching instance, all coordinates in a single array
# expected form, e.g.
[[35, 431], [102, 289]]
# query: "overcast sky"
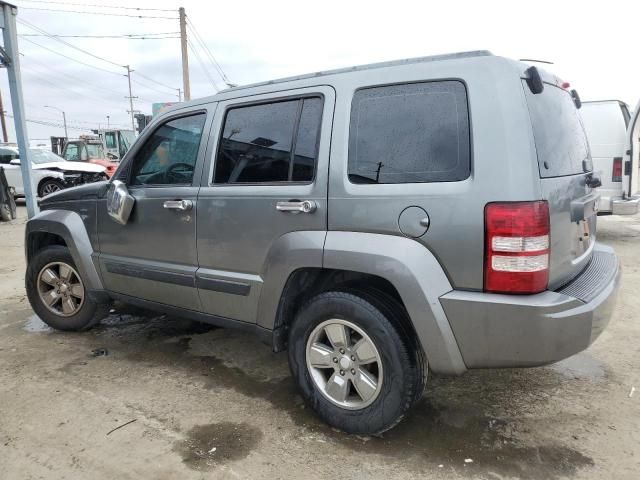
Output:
[[592, 45]]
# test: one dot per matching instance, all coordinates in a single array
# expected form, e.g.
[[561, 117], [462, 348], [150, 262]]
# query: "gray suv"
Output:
[[376, 222]]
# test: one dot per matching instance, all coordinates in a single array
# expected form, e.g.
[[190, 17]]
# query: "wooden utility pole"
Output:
[[5, 139], [185, 54]]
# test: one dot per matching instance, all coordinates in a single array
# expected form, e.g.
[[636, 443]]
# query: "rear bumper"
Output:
[[529, 330], [625, 207]]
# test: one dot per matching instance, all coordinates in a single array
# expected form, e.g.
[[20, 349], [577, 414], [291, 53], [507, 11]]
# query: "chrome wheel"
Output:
[[50, 187], [60, 289], [344, 364]]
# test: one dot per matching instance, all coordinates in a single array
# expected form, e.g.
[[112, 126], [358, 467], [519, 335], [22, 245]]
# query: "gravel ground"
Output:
[[208, 403]]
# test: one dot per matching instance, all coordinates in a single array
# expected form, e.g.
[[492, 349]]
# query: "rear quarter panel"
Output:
[[503, 165]]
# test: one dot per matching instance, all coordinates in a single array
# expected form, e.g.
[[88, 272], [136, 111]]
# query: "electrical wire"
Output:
[[98, 5], [30, 59], [141, 36], [38, 29], [202, 65], [84, 12], [155, 81], [73, 59], [204, 46]]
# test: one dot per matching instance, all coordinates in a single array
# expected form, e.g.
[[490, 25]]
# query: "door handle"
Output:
[[305, 206], [182, 205]]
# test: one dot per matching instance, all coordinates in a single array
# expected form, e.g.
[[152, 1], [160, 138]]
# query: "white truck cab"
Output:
[[613, 133]]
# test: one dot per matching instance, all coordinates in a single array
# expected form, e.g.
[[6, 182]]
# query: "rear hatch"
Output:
[[564, 163]]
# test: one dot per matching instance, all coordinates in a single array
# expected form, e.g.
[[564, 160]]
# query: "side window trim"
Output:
[[125, 176], [300, 99]]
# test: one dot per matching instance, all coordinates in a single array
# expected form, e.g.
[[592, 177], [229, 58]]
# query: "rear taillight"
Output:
[[617, 170], [516, 247]]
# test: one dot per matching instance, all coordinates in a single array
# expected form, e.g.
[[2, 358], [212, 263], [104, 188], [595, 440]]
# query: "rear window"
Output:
[[410, 133], [561, 143]]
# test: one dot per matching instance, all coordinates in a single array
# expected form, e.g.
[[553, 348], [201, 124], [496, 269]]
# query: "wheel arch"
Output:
[[63, 227]]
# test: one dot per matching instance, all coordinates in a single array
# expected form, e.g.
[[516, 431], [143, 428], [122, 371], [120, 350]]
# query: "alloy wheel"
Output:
[[60, 289], [344, 363]]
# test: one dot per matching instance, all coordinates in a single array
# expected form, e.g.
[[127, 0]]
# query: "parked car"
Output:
[[51, 173], [357, 218], [91, 151], [610, 130]]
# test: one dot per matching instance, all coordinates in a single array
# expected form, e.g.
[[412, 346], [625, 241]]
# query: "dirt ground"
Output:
[[213, 403]]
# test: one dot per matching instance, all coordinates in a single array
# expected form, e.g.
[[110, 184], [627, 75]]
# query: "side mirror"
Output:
[[112, 156], [15, 161], [119, 202]]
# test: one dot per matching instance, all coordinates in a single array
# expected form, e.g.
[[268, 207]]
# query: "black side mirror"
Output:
[[534, 80], [593, 181]]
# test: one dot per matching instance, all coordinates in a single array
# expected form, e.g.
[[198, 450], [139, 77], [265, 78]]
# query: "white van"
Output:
[[612, 132]]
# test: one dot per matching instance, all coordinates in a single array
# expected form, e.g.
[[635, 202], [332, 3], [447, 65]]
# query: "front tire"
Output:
[[353, 363], [58, 294], [49, 186]]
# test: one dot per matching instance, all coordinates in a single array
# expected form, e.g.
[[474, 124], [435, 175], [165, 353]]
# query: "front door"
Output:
[[267, 178], [153, 257]]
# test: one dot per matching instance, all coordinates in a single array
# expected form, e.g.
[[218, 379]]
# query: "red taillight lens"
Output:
[[516, 247], [617, 170]]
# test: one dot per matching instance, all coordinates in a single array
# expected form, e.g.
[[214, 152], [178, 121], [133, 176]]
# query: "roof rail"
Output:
[[393, 63]]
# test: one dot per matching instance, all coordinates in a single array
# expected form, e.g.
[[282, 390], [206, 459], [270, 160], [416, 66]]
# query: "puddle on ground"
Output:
[[207, 446], [481, 416], [34, 324], [581, 367]]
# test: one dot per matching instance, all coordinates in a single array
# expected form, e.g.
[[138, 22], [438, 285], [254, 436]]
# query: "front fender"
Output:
[[417, 276], [69, 226]]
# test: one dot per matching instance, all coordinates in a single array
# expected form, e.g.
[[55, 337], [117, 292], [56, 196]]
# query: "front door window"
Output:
[[169, 155]]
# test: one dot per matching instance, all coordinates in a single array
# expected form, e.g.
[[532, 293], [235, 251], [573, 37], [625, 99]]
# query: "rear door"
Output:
[[271, 154], [632, 155], [564, 164], [605, 123]]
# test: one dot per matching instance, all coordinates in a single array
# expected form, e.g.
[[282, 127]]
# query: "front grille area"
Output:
[[599, 272]]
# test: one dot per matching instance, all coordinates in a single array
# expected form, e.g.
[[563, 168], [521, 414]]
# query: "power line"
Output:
[[84, 12], [38, 29], [212, 58], [149, 87], [98, 5], [70, 77], [73, 59], [141, 36], [155, 81], [204, 68]]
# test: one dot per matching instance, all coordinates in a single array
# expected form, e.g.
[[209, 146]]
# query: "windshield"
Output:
[[94, 150], [560, 139], [44, 156]]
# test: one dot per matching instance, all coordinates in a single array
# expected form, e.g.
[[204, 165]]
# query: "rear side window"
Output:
[[410, 133], [561, 143], [271, 142]]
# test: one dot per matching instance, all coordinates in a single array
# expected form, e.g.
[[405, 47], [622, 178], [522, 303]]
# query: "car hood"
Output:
[[69, 167]]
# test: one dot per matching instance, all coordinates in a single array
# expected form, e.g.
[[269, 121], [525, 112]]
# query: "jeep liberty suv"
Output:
[[375, 222]]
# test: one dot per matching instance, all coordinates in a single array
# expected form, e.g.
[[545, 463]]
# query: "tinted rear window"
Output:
[[410, 133], [560, 139]]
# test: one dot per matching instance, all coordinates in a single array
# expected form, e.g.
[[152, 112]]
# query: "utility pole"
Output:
[[11, 60], [107, 121], [5, 139], [185, 54], [64, 120], [130, 97], [179, 95]]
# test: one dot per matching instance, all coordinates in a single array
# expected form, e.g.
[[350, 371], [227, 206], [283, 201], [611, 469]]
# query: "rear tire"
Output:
[[58, 294], [321, 369]]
